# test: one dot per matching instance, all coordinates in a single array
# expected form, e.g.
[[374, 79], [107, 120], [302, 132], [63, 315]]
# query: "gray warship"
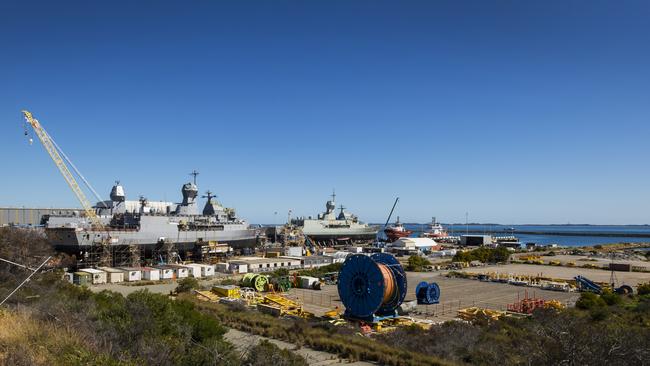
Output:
[[148, 224], [331, 229]]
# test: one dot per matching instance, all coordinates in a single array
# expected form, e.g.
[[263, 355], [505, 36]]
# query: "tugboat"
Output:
[[397, 231], [435, 230]]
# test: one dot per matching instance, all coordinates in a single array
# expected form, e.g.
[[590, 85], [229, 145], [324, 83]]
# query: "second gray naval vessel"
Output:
[[331, 229], [147, 224]]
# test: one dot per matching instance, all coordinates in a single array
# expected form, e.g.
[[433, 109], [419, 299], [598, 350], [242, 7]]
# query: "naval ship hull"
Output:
[[335, 236], [322, 238], [70, 240]]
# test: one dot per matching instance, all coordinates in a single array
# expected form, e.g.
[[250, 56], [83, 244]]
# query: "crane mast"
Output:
[[49, 146]]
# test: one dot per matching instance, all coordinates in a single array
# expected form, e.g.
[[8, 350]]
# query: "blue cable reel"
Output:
[[427, 293], [371, 287]]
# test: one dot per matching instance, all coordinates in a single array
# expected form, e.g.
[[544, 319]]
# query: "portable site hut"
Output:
[[96, 276], [132, 274], [113, 275], [193, 269], [151, 274], [69, 276], [238, 266], [207, 270], [179, 271], [221, 267], [166, 273], [81, 278]]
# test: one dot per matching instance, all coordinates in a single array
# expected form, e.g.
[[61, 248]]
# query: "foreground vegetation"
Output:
[[51, 322], [602, 330], [319, 335]]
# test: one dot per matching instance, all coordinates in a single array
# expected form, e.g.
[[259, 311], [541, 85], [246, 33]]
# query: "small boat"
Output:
[[397, 231]]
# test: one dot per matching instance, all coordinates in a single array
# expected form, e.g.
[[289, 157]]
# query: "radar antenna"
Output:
[[209, 195], [194, 173]]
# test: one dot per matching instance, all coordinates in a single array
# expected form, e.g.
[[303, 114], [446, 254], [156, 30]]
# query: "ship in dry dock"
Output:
[[151, 224], [332, 229]]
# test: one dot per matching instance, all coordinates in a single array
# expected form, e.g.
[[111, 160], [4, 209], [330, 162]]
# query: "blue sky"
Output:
[[513, 111]]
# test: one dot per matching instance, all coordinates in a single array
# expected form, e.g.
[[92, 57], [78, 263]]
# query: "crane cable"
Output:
[[90, 187]]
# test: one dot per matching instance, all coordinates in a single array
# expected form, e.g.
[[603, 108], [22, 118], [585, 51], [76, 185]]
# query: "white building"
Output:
[[207, 270], [151, 274], [132, 274], [166, 273], [96, 276], [193, 269], [415, 243], [179, 271], [113, 275], [222, 267]]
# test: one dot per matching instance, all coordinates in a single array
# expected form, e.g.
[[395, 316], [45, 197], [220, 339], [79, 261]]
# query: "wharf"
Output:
[[570, 233]]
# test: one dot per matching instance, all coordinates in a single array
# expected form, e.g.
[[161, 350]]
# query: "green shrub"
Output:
[[484, 254], [187, 284], [280, 272], [644, 288], [266, 353], [611, 298], [589, 300], [416, 262]]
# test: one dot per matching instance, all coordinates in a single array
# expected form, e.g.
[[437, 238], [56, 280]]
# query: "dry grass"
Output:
[[26, 340], [317, 336]]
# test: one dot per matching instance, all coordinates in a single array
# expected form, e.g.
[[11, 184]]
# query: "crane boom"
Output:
[[63, 168]]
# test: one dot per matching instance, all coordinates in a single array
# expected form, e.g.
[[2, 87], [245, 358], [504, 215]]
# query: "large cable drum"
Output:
[[371, 286], [256, 281], [427, 293]]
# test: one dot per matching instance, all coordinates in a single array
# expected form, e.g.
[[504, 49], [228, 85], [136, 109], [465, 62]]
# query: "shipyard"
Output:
[[251, 183]]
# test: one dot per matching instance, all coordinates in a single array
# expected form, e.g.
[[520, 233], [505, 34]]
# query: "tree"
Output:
[[187, 284], [416, 262]]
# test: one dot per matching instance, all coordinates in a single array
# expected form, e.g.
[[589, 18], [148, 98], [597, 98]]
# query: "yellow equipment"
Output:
[[227, 291], [285, 306], [207, 296], [554, 304], [49, 145], [477, 314]]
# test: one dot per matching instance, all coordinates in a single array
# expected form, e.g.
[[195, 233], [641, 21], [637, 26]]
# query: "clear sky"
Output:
[[513, 111]]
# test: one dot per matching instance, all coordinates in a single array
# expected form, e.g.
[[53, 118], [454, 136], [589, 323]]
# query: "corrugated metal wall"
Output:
[[29, 216]]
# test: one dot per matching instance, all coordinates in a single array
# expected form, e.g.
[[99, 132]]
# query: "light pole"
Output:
[[275, 229]]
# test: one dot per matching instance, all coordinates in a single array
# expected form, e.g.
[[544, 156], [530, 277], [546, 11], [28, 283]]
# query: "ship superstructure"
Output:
[[150, 223], [332, 229]]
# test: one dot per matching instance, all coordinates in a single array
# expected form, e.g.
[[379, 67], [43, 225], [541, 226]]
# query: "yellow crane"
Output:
[[51, 148]]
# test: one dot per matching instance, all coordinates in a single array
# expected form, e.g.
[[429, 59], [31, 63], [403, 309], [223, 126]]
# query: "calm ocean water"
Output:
[[502, 230]]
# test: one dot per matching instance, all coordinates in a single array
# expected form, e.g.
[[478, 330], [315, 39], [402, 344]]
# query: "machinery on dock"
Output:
[[427, 293], [256, 281], [371, 287], [585, 284]]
